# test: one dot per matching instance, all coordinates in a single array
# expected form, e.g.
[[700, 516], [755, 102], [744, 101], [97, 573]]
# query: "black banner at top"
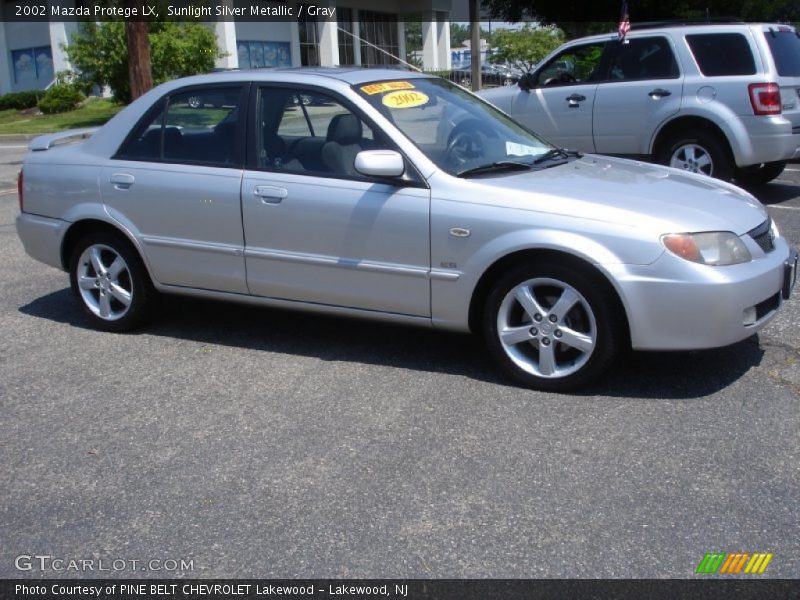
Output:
[[409, 589]]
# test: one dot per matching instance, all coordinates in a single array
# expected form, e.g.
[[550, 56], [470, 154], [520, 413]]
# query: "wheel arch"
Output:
[[693, 123], [79, 229], [498, 267]]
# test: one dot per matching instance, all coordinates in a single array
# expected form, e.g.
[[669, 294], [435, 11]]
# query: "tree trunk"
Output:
[[475, 44], [139, 72]]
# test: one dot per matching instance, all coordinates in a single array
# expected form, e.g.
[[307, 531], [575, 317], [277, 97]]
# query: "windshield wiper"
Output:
[[556, 152], [500, 165]]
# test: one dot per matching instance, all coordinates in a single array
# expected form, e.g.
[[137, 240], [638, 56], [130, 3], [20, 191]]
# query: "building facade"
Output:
[[361, 32]]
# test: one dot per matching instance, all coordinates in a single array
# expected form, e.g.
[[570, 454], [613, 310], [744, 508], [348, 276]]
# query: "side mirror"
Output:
[[380, 163], [527, 81]]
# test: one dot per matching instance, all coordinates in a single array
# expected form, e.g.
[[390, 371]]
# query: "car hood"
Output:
[[629, 193]]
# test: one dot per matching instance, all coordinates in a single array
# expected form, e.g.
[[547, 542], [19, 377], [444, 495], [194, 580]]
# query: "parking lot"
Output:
[[265, 443]]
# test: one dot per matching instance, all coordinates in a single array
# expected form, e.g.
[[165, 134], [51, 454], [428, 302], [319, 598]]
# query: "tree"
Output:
[[459, 33], [525, 47], [101, 56], [578, 18]]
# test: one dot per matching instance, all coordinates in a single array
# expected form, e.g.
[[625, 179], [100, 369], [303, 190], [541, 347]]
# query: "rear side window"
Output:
[[720, 54], [643, 58], [194, 127], [785, 48]]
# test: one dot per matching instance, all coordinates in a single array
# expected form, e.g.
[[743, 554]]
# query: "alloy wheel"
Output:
[[547, 328]]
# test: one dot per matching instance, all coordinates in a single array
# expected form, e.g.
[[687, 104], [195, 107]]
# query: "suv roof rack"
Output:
[[684, 22]]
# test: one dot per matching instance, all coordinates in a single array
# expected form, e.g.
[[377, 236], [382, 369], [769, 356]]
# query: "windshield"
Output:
[[456, 130]]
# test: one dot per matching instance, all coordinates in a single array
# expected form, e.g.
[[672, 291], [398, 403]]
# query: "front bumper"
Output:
[[673, 304], [42, 237]]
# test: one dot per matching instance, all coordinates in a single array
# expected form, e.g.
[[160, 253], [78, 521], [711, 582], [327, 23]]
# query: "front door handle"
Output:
[[574, 99], [659, 93], [270, 194], [122, 181]]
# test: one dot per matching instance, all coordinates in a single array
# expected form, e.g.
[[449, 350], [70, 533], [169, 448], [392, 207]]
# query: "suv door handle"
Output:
[[575, 98], [270, 194], [659, 93], [122, 181]]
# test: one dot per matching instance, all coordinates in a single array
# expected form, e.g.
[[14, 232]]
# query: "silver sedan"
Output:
[[400, 197]]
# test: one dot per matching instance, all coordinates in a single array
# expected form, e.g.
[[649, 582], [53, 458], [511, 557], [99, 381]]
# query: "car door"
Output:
[[176, 180], [315, 229], [644, 87], [560, 102]]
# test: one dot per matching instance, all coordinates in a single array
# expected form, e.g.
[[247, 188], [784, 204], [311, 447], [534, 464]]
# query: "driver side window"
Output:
[[575, 65]]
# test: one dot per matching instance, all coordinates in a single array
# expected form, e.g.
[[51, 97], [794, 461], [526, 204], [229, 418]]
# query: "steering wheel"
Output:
[[465, 141]]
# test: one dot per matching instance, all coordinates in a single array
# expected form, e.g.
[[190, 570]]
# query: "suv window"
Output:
[[643, 58], [785, 48], [578, 64], [192, 127], [720, 54]]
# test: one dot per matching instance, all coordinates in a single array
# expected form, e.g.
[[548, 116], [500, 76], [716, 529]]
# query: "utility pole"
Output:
[[475, 43], [139, 71]]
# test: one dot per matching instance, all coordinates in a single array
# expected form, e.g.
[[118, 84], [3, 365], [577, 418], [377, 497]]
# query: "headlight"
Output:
[[716, 248]]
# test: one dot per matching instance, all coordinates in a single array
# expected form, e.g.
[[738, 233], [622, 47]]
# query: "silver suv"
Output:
[[721, 98]]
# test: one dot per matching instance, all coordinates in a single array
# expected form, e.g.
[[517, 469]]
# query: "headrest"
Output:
[[345, 129]]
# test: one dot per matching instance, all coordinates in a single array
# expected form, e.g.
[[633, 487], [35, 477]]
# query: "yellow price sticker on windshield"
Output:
[[404, 99], [386, 86]]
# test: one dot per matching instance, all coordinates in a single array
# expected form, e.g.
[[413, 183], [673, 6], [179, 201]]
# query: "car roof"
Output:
[[311, 75], [648, 28]]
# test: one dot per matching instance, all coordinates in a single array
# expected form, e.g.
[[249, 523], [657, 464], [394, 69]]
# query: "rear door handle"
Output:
[[659, 93], [270, 194], [122, 181], [574, 99]]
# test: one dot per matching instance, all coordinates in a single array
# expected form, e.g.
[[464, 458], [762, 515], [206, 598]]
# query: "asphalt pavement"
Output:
[[248, 442]]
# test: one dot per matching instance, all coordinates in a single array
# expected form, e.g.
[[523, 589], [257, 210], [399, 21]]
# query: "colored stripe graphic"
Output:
[[719, 562]]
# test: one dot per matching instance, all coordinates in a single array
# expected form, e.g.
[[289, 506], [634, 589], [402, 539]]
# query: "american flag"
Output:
[[624, 22]]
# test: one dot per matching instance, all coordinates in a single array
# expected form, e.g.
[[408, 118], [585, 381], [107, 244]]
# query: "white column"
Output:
[[443, 39], [328, 39], [294, 28], [226, 42], [401, 39], [356, 40], [430, 50], [6, 76], [60, 34]]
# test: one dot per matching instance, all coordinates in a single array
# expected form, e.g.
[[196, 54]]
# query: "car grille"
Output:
[[762, 235]]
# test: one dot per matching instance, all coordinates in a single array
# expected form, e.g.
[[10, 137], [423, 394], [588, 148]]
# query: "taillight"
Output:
[[19, 189], [765, 98]]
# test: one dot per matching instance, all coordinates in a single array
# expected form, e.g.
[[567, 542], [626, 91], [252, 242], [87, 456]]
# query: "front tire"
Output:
[[698, 152], [552, 327], [110, 282], [759, 174]]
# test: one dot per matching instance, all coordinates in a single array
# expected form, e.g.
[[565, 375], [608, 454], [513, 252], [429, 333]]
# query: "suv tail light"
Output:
[[19, 189], [765, 98]]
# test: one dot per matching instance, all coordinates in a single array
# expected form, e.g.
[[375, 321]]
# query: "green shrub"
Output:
[[20, 100], [60, 98]]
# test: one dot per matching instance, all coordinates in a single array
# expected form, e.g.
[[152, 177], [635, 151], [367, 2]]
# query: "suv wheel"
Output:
[[110, 282], [697, 152], [551, 327], [759, 174]]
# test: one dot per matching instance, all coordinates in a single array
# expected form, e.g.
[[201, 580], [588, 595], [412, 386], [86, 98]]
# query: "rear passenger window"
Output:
[[720, 54], [194, 127], [643, 58]]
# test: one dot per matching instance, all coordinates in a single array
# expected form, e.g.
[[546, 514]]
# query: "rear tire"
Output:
[[552, 327], [759, 174], [110, 282], [697, 152]]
